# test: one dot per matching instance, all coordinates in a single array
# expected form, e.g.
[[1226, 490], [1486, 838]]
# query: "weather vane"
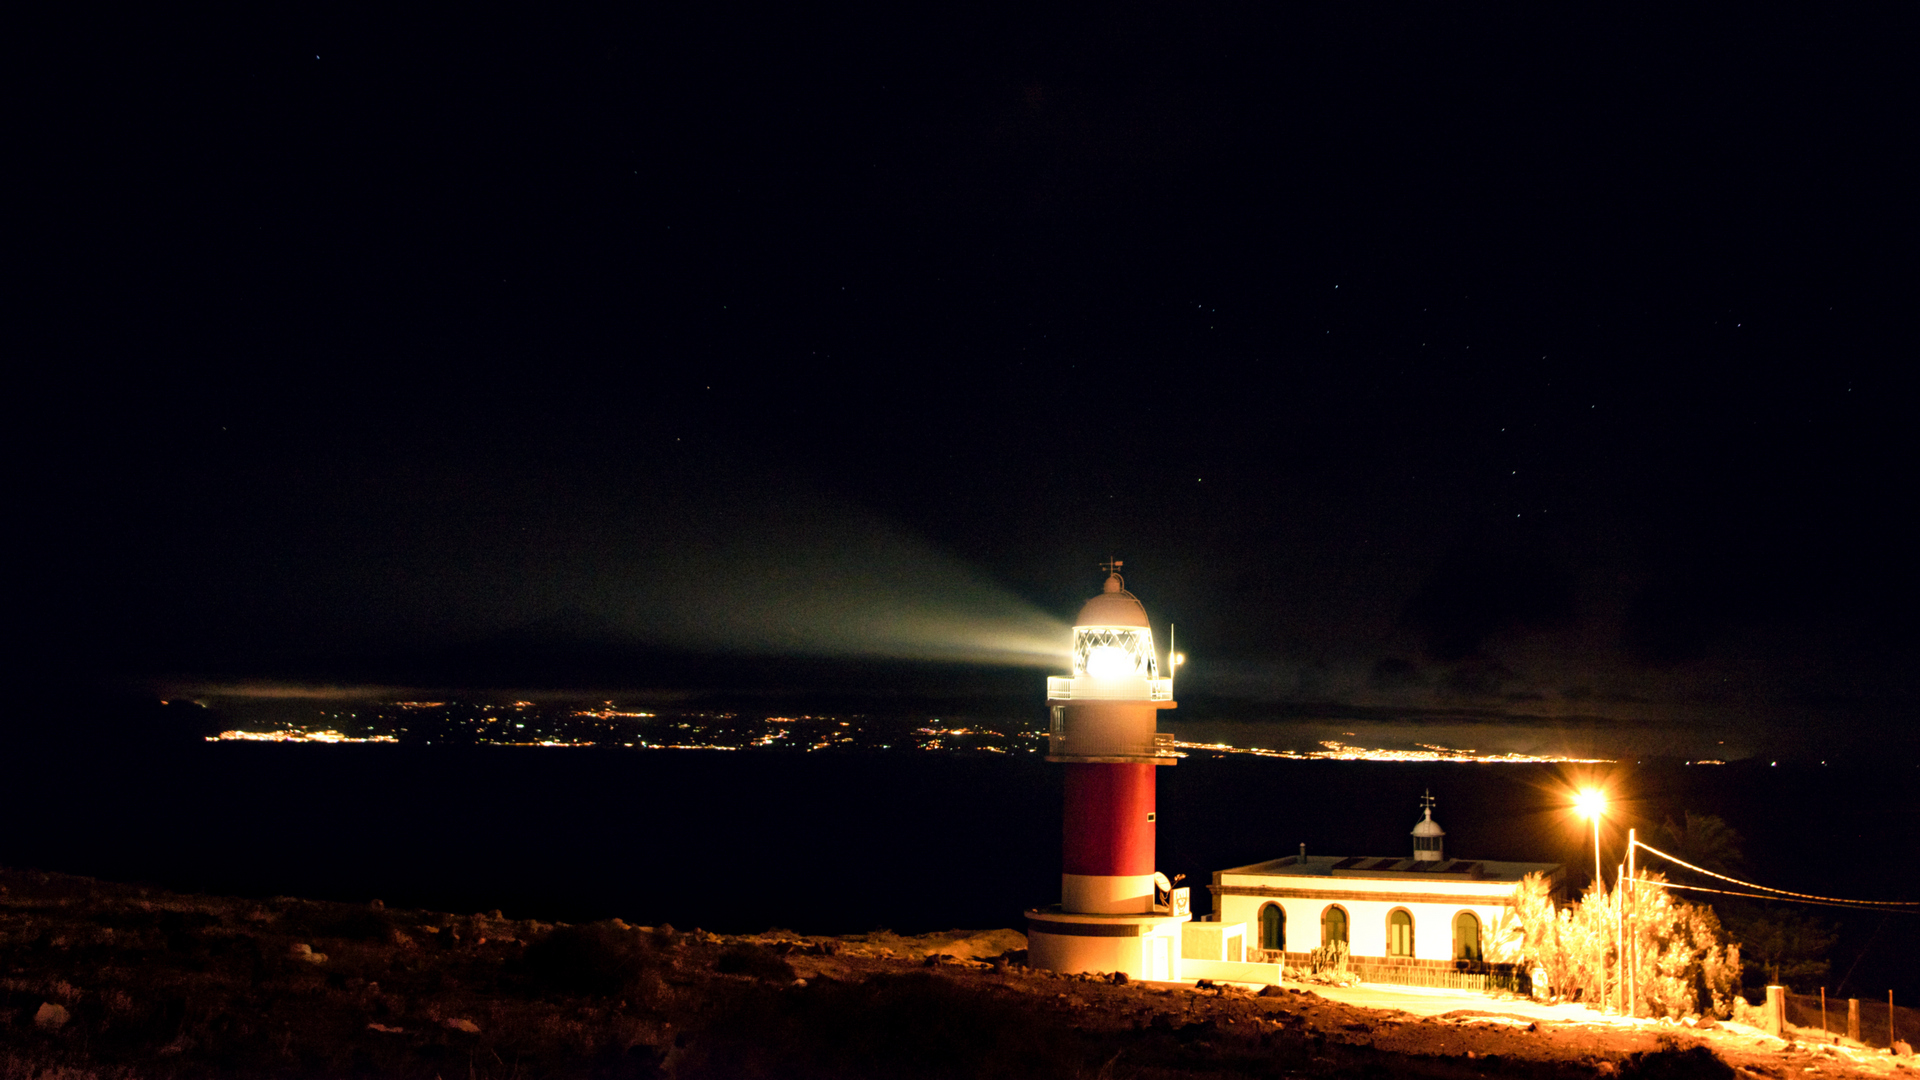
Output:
[[1112, 565], [1427, 803]]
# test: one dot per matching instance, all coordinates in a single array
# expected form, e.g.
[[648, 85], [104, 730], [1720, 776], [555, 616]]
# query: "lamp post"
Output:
[[1593, 804]]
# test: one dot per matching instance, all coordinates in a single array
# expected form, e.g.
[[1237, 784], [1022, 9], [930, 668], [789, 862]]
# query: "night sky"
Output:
[[1427, 364]]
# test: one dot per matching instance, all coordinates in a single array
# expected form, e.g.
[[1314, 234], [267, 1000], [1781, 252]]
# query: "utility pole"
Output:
[[1633, 940], [1620, 940]]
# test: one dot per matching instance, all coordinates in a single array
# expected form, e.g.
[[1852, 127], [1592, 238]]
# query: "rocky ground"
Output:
[[110, 981]]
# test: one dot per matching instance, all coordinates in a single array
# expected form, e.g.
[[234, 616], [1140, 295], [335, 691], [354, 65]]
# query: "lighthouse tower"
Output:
[[1116, 913]]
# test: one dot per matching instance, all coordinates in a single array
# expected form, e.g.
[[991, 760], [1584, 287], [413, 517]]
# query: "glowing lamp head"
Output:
[[1109, 662], [1591, 803]]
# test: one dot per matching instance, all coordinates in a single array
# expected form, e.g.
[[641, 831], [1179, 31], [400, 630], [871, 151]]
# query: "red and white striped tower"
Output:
[[1116, 913]]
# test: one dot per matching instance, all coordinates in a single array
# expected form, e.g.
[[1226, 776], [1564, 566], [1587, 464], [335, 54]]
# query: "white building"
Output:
[[1423, 920]]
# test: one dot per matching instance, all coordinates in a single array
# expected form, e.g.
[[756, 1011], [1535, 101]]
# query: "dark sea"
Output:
[[906, 840]]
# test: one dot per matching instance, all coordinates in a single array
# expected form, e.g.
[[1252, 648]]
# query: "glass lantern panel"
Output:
[[1114, 652]]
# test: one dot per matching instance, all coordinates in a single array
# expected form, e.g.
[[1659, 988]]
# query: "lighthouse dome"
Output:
[[1115, 606], [1428, 842]]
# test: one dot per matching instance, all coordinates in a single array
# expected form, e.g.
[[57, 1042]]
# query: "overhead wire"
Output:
[[1879, 905], [1851, 905]]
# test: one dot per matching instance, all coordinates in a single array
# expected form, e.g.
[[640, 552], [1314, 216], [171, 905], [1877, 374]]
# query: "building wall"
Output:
[[1366, 922], [1152, 955]]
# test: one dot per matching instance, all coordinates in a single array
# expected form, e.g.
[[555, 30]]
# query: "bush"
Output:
[[1674, 1062], [915, 1025], [755, 960], [339, 921], [598, 959], [1331, 957]]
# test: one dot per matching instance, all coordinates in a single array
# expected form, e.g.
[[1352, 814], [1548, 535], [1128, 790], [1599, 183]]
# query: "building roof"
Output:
[[1115, 606], [1390, 868]]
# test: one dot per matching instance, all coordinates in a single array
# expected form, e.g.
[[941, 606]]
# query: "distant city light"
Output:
[[299, 736], [1339, 751], [609, 725]]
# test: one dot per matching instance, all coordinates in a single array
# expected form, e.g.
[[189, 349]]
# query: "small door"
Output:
[[1466, 936], [1159, 959], [1273, 927], [1400, 933]]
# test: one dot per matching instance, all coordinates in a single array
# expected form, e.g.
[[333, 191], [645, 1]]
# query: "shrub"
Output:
[[915, 1025], [339, 921], [598, 959], [755, 960], [1675, 1062], [1681, 961], [1329, 957]]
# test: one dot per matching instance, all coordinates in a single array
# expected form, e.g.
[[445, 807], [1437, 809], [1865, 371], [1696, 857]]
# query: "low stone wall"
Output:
[[1471, 975]]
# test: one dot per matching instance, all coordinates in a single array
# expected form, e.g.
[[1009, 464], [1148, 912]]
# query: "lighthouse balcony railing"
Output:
[[1085, 689], [1162, 746]]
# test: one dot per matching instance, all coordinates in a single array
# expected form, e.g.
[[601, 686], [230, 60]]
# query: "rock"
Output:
[[51, 1017], [1119, 978], [378, 905], [305, 953], [1274, 991], [1901, 1048], [456, 1024], [385, 1028]]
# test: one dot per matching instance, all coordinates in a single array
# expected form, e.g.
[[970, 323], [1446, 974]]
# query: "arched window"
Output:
[[1333, 924], [1466, 936], [1400, 933], [1273, 927]]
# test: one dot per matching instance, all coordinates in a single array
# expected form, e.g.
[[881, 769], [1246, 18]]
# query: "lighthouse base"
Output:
[[1143, 946]]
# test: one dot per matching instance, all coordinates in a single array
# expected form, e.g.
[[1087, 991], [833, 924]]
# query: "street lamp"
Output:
[[1593, 803]]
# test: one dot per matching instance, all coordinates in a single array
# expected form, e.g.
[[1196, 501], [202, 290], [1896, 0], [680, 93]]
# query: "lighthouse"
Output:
[[1116, 912]]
